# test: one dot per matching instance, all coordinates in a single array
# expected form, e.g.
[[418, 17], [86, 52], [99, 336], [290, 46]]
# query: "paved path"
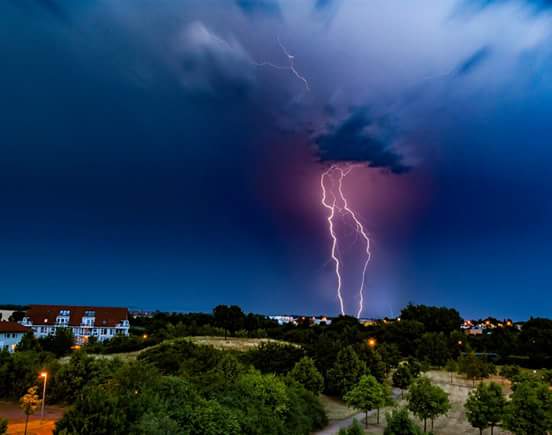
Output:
[[336, 425]]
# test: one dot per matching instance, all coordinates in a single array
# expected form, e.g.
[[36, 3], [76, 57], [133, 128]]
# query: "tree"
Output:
[[390, 354], [346, 372], [28, 343], [271, 357], [451, 367], [485, 406], [435, 319], [427, 401], [3, 425], [231, 318], [509, 372], [472, 366], [433, 348], [530, 410], [213, 419], [373, 360], [400, 423], [305, 373], [402, 378], [29, 403], [354, 429], [367, 395], [60, 343]]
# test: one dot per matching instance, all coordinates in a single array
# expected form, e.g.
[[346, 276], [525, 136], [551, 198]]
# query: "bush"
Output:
[[400, 423], [305, 373], [3, 426], [354, 429], [270, 357]]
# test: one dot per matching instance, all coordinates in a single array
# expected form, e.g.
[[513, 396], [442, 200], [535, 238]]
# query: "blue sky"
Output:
[[148, 160]]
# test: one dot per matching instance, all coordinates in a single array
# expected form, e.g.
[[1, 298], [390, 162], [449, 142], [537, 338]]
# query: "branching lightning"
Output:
[[289, 67], [336, 175], [333, 199], [331, 208]]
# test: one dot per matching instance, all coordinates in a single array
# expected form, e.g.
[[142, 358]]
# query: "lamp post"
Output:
[[43, 375]]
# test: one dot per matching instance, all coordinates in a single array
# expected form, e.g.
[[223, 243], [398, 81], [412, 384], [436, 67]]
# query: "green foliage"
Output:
[[373, 360], [270, 357], [530, 409], [306, 374], [181, 356], [427, 401], [485, 406], [30, 402], [367, 395], [80, 371], [346, 372], [213, 419], [230, 318], [3, 425], [354, 429], [474, 367], [28, 343], [19, 370], [306, 410], [434, 319], [404, 334], [452, 367], [390, 354], [402, 377], [400, 423], [509, 371], [60, 343], [433, 348]]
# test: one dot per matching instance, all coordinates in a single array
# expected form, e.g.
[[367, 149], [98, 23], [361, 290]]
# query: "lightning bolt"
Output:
[[290, 67], [331, 208], [359, 228]]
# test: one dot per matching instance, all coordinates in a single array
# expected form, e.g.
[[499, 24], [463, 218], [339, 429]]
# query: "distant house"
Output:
[[103, 323], [11, 334]]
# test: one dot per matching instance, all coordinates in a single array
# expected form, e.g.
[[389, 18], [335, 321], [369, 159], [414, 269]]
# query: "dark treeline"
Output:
[[430, 334], [176, 386]]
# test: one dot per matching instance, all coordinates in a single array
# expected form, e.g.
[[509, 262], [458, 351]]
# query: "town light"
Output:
[[145, 336], [43, 375], [372, 342]]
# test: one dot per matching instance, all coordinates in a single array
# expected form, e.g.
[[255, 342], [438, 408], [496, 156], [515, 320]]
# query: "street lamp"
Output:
[[372, 342], [45, 376]]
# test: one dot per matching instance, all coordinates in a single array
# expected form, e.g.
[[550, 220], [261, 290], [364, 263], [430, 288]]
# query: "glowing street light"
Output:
[[145, 336], [43, 375], [372, 342]]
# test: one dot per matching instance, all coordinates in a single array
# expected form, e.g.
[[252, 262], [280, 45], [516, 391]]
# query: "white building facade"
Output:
[[102, 323], [11, 334]]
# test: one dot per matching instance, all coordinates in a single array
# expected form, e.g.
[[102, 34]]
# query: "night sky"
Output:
[[147, 160]]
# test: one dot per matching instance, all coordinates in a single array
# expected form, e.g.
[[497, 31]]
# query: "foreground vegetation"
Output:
[[227, 372]]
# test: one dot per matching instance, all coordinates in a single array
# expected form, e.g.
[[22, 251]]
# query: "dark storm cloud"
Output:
[[473, 61], [360, 138]]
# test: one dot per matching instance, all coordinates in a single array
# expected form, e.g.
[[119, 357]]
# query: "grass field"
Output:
[[335, 408], [233, 343]]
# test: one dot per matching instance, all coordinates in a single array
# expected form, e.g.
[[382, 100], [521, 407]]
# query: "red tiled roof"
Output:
[[12, 327], [105, 316]]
